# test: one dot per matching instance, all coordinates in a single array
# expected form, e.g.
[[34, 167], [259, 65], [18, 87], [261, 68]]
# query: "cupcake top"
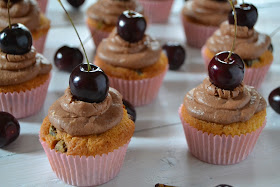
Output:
[[16, 69], [249, 45], [212, 104], [79, 118], [108, 11], [117, 52], [26, 12], [207, 12]]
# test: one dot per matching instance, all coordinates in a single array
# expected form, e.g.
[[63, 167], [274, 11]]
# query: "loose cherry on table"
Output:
[[247, 15], [76, 3], [67, 58], [131, 26], [176, 55], [130, 109], [9, 128], [274, 100], [90, 86], [16, 40], [226, 73]]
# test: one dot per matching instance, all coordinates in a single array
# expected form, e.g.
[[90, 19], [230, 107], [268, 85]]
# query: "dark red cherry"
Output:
[[89, 86], [76, 3], [16, 40], [131, 26], [226, 75], [9, 128], [247, 15], [130, 109], [274, 100], [176, 55], [67, 58]]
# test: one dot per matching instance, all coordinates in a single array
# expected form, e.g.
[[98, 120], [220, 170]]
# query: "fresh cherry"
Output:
[[67, 58], [176, 55], [226, 73], [16, 40], [130, 110], [131, 26], [9, 128], [246, 14], [90, 86], [76, 3], [274, 100]]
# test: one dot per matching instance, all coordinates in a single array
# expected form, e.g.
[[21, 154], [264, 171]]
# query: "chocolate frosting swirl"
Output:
[[249, 44], [79, 118], [118, 52], [108, 11], [16, 69], [24, 11], [211, 108], [207, 12]]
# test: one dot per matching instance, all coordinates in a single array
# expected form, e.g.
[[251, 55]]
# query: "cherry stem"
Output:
[[89, 68], [235, 30], [275, 31], [9, 2]]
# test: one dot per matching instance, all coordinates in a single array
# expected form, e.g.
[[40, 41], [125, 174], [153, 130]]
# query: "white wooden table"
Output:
[[158, 152]]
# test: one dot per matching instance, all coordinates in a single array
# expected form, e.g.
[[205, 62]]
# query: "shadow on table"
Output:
[[24, 144]]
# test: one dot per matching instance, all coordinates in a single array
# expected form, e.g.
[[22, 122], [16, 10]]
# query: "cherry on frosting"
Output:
[[226, 73], [90, 86], [9, 128], [16, 40], [247, 15], [131, 26]]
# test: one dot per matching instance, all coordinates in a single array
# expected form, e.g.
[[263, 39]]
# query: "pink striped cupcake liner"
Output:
[[219, 150], [157, 11], [98, 35], [24, 104], [138, 92], [43, 5], [39, 44], [253, 76], [197, 34], [86, 171]]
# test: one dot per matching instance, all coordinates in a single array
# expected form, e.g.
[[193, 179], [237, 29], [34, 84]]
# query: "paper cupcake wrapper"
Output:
[[39, 44], [24, 104], [253, 76], [138, 92], [157, 11], [98, 35], [43, 5], [86, 171], [197, 34], [219, 150]]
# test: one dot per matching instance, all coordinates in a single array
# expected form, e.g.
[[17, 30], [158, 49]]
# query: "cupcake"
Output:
[[253, 47], [87, 130], [24, 73], [28, 13], [201, 18], [157, 11], [43, 5], [223, 118], [103, 16], [133, 61]]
